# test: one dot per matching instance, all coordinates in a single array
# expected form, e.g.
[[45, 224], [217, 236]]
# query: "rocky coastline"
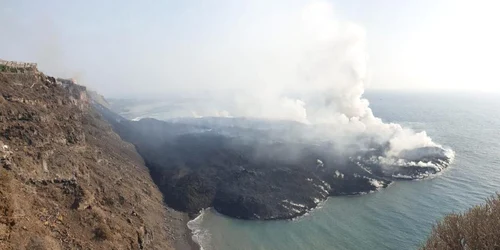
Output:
[[245, 169]]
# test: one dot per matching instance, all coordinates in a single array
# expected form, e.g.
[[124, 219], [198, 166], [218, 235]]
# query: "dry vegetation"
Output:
[[478, 228], [67, 181]]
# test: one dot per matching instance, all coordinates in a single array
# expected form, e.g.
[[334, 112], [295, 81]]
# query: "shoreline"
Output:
[[185, 241], [179, 236], [189, 238]]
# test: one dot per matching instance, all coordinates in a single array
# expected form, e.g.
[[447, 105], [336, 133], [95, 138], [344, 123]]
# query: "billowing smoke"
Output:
[[332, 73], [339, 68], [308, 66]]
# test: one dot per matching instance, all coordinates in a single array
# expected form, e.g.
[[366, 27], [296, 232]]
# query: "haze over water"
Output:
[[401, 216]]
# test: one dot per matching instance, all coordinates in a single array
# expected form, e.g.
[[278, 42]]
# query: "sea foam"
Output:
[[199, 235]]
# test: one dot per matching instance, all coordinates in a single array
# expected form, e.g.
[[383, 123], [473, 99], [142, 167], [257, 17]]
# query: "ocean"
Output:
[[400, 216]]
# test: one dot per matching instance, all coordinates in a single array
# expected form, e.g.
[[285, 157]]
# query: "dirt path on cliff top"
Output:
[[67, 181]]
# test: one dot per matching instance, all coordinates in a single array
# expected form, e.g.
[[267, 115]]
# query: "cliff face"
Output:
[[67, 181]]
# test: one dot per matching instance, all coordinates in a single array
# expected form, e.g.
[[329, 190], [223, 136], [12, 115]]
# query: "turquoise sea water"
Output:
[[400, 216]]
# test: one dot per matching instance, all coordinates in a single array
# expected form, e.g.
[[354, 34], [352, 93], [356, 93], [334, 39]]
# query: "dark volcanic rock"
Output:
[[254, 169]]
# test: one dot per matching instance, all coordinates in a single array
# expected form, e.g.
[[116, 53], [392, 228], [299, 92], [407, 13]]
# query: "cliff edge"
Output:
[[67, 181]]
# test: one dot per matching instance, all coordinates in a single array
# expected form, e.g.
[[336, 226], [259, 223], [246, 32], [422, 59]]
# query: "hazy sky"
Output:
[[140, 47]]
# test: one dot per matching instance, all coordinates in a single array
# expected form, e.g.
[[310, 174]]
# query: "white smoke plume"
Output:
[[311, 67], [334, 66]]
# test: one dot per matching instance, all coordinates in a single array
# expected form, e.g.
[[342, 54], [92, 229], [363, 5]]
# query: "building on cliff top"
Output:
[[17, 67]]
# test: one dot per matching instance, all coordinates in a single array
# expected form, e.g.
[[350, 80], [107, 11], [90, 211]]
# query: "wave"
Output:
[[200, 235]]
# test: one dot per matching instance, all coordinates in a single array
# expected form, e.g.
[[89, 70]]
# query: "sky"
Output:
[[136, 48]]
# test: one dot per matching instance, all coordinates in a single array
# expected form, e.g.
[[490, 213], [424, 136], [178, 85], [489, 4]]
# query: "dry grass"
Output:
[[45, 121], [5, 201], [478, 228]]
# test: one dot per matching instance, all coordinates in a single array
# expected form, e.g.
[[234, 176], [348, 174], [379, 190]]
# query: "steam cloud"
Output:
[[310, 67], [333, 71]]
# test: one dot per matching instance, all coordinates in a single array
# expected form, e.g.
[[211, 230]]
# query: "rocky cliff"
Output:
[[67, 181]]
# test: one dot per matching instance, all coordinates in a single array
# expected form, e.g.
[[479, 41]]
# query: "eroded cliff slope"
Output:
[[67, 181]]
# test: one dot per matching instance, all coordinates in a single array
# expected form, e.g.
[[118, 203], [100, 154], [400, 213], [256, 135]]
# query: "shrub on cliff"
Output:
[[102, 232], [478, 228]]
